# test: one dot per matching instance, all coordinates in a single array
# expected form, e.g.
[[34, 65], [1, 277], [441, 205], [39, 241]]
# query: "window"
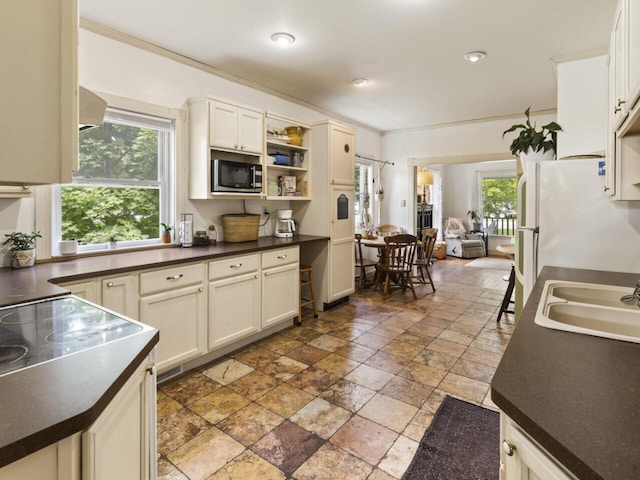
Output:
[[121, 190], [499, 203], [363, 210]]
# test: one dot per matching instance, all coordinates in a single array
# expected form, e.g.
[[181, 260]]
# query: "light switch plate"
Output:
[[403, 203]]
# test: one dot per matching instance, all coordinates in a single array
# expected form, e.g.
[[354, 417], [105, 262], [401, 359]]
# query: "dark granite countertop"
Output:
[[26, 284], [45, 403], [577, 395]]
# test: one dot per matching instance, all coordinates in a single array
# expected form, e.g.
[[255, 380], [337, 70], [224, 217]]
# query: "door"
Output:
[[120, 295], [250, 130], [342, 156], [280, 294], [223, 125], [342, 230], [234, 309], [180, 316], [117, 445]]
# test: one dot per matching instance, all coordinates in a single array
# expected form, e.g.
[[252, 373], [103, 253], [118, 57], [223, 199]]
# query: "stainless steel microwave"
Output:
[[235, 177]]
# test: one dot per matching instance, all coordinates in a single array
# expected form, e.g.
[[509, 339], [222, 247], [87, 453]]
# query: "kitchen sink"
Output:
[[589, 309]]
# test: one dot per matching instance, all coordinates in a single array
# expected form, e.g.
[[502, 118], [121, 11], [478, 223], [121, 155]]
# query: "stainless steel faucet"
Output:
[[634, 297]]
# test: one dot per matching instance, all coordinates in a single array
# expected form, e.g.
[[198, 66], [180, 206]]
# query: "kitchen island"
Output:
[[49, 402], [576, 395]]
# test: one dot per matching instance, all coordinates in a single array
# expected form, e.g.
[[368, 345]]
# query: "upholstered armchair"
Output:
[[461, 243]]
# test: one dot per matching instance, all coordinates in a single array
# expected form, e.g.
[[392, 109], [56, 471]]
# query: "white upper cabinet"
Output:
[[235, 128], [39, 84]]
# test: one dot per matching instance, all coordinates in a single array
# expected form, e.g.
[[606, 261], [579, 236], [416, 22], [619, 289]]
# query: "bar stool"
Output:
[[506, 301], [306, 280]]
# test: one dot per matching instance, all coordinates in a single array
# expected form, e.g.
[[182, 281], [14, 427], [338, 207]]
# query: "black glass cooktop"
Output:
[[36, 332]]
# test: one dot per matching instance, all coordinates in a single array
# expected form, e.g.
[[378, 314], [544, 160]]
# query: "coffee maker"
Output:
[[285, 226]]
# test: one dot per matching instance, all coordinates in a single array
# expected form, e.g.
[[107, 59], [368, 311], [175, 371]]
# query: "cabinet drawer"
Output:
[[233, 266], [170, 278], [274, 258]]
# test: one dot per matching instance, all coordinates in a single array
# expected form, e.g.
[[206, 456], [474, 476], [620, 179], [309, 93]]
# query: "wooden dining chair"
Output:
[[397, 266], [424, 256], [362, 263]]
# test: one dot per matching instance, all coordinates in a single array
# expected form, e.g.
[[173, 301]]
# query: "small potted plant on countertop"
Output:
[[23, 248], [475, 220], [165, 236], [532, 141]]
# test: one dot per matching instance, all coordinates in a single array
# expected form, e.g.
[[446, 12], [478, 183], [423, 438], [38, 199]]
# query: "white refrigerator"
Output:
[[566, 219]]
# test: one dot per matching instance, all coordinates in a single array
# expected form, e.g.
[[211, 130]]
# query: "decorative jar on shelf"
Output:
[[295, 135]]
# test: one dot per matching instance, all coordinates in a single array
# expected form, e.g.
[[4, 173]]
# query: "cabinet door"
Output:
[[341, 257], [280, 294], [234, 309], [117, 444], [59, 461], [342, 156], [633, 70], [223, 125], [87, 290], [180, 316], [250, 130], [619, 64], [120, 295], [39, 85], [527, 461]]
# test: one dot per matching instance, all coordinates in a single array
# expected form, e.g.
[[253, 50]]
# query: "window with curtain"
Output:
[[363, 209], [121, 191]]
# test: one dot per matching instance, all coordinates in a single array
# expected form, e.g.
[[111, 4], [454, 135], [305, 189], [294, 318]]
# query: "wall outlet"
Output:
[[265, 210]]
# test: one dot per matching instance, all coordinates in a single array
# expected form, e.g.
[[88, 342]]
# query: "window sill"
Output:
[[100, 253]]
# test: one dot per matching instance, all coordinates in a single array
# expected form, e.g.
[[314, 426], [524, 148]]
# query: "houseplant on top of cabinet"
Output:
[[532, 143], [23, 251]]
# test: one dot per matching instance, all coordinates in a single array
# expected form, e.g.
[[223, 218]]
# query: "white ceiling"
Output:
[[411, 50]]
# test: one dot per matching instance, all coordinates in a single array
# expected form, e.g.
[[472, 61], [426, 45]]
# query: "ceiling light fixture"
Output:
[[283, 39], [360, 82], [473, 57]]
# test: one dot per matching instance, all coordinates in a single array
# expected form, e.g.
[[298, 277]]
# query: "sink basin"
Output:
[[589, 309]]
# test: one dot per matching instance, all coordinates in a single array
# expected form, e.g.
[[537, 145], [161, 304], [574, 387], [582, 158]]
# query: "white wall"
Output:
[[462, 143], [15, 216]]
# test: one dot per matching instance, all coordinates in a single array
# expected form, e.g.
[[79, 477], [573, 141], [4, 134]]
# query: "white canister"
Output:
[[68, 247]]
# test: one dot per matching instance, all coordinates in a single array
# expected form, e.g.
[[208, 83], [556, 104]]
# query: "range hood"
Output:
[[91, 109]]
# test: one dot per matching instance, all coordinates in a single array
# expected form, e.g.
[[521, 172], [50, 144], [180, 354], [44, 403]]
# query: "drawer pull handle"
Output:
[[266, 274], [175, 277], [152, 369], [200, 289], [508, 447], [237, 265], [281, 257], [109, 284]]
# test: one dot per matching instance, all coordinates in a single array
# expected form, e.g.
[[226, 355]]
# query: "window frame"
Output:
[[126, 113]]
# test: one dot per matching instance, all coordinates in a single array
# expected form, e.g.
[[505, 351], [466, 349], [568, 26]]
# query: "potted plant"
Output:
[[23, 251], [165, 236], [113, 243], [476, 220], [531, 140], [380, 193]]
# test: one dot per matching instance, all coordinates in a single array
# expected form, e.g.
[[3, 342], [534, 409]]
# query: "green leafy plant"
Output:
[[530, 137], [166, 227], [475, 216], [22, 241]]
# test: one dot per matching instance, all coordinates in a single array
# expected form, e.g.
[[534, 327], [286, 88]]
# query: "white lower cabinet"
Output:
[[522, 458], [280, 285], [120, 294], [120, 442], [87, 290], [59, 461], [173, 300], [234, 299]]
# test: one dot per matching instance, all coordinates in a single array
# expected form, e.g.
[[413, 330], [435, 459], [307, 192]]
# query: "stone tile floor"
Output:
[[346, 396]]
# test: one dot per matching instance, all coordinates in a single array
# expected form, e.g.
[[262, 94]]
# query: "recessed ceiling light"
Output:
[[283, 39], [359, 82], [473, 57]]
